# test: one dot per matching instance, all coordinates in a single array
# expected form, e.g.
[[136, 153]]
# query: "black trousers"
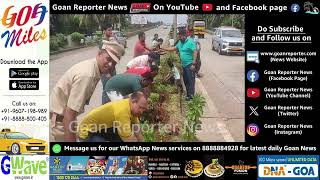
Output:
[[105, 135]]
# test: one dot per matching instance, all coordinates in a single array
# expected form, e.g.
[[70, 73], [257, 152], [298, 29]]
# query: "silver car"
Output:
[[121, 38], [228, 40]]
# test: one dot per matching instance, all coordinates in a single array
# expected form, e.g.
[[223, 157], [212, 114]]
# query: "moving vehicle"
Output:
[[19, 143], [228, 40], [198, 28], [122, 39], [166, 26]]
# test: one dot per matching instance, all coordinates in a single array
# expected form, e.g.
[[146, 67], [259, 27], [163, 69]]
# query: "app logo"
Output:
[[5, 165], [274, 170], [193, 168], [241, 168], [14, 85], [252, 129], [56, 148], [253, 56], [298, 167], [58, 164], [254, 111], [140, 7], [23, 84], [308, 7], [252, 75], [253, 92], [24, 26], [56, 161], [13, 73], [24, 72], [20, 165], [207, 7], [295, 8], [288, 170], [214, 170]]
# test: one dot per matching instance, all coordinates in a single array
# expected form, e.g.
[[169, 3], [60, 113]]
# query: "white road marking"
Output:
[[236, 98], [220, 124]]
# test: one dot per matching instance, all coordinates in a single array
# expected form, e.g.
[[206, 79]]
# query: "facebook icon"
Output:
[[252, 75], [295, 7]]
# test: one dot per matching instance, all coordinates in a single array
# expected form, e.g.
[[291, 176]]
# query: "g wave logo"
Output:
[[5, 165], [288, 170], [18, 165], [27, 15]]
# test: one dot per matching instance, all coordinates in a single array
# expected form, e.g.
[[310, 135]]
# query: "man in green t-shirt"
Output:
[[188, 55], [122, 85]]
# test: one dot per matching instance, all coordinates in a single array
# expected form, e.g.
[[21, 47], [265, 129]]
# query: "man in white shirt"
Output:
[[143, 60]]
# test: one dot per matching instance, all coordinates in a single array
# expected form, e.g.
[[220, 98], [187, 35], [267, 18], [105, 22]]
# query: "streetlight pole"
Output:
[[232, 20], [119, 22], [175, 17]]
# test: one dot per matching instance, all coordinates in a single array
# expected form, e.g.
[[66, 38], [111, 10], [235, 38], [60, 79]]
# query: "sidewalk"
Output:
[[213, 125]]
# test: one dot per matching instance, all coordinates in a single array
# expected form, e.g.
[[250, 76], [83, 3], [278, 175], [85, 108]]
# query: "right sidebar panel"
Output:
[[281, 77]]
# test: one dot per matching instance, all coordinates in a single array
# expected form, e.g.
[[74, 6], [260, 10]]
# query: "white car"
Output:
[[121, 38], [227, 40]]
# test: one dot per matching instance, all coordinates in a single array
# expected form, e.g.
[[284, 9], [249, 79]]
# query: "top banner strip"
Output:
[[164, 7]]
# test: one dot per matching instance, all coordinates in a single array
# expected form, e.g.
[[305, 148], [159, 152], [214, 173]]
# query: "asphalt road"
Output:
[[222, 84], [224, 80]]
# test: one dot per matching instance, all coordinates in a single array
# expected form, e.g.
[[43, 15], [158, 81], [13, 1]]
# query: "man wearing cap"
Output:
[[75, 88], [188, 55]]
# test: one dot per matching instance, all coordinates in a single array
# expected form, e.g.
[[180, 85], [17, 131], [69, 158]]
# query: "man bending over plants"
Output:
[[116, 121], [122, 85]]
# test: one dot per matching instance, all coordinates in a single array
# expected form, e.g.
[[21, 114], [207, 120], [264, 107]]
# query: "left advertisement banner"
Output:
[[24, 90]]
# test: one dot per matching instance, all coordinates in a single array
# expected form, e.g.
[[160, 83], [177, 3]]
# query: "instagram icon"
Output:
[[252, 129]]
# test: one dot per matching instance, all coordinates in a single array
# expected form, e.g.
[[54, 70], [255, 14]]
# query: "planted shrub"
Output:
[[147, 132], [62, 40], [194, 112], [54, 45], [76, 37], [153, 99]]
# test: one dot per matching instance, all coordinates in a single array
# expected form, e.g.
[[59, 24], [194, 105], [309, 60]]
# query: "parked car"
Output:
[[228, 40], [122, 39]]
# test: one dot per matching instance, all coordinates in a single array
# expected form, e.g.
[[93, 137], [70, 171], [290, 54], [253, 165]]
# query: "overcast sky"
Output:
[[166, 18]]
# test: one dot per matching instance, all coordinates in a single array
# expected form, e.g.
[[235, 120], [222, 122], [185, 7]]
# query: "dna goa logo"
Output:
[[26, 20], [288, 170]]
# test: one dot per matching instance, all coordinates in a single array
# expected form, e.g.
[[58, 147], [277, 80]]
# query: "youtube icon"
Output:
[[253, 92], [207, 7]]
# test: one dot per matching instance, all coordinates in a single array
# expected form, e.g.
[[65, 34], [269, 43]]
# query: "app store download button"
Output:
[[24, 85]]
